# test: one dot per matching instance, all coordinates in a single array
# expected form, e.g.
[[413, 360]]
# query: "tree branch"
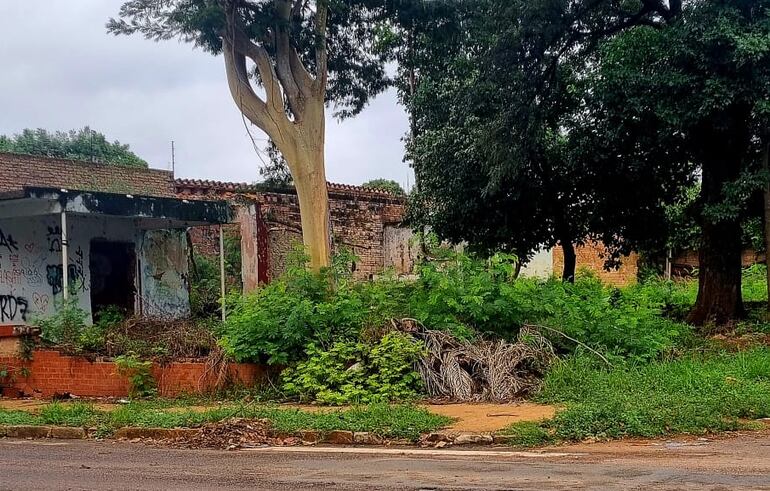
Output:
[[250, 104], [321, 51], [287, 61]]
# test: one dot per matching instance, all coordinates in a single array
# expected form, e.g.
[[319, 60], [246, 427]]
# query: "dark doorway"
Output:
[[113, 268]]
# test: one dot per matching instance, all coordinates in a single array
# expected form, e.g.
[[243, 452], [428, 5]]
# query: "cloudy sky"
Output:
[[60, 70]]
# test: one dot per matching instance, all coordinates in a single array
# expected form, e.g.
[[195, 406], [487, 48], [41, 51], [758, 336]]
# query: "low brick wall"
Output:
[[51, 372]]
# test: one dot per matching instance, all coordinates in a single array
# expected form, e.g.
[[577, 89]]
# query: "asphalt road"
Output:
[[741, 462]]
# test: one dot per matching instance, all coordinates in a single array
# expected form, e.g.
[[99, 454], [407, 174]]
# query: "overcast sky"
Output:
[[60, 70]]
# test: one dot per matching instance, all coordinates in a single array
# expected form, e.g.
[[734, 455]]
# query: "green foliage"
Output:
[[459, 294], [355, 372], [527, 434], [694, 394], [83, 144], [205, 300], [139, 373], [388, 185], [389, 421], [65, 327]]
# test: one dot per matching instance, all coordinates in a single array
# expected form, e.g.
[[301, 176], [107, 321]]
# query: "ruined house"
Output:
[[113, 235], [368, 222]]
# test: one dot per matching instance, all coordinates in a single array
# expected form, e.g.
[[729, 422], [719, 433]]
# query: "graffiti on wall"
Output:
[[54, 238], [13, 308], [7, 241]]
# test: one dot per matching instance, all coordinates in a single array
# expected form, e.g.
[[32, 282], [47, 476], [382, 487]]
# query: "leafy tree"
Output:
[[83, 144], [499, 158], [694, 92], [388, 185], [305, 54], [635, 98]]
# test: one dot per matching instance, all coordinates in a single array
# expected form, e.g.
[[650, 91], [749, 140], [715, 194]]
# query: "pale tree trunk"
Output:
[[291, 113]]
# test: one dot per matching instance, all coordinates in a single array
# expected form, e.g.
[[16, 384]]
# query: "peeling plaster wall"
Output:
[[31, 265], [401, 251], [164, 274]]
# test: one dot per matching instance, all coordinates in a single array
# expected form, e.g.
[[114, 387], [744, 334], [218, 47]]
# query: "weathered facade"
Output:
[[126, 247], [367, 221]]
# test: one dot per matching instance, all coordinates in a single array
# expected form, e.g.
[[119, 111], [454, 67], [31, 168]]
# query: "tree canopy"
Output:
[[83, 144], [388, 185]]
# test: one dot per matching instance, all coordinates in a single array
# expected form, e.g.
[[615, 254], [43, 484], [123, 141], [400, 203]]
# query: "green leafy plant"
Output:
[[355, 372], [139, 373], [64, 328]]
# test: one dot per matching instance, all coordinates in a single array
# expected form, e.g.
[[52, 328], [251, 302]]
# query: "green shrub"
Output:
[[457, 293], [65, 327], [139, 373], [276, 323], [356, 372]]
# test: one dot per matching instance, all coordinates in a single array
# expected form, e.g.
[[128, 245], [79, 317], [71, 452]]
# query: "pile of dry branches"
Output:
[[160, 339], [235, 433], [481, 370]]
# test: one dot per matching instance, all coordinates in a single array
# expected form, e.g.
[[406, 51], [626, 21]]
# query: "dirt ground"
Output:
[[475, 418], [488, 418]]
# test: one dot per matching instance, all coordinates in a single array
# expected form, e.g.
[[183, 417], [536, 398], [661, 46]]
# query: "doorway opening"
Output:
[[113, 271]]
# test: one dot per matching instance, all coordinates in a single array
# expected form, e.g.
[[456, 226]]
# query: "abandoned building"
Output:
[[113, 235], [368, 222]]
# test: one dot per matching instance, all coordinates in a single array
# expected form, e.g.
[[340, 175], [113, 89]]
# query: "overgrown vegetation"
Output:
[[113, 334], [461, 295], [400, 421], [694, 394], [357, 372], [139, 374], [205, 295]]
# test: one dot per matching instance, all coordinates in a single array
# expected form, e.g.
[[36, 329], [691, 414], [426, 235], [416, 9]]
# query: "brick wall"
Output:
[[359, 216], [18, 171], [591, 257], [685, 261], [51, 373]]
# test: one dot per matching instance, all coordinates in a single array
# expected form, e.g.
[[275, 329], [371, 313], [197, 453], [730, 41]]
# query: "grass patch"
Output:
[[697, 394], [402, 421]]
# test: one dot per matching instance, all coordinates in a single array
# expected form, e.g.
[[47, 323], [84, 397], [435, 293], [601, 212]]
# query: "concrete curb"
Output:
[[308, 437]]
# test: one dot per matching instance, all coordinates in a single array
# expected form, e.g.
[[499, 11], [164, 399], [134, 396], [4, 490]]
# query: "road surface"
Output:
[[741, 462]]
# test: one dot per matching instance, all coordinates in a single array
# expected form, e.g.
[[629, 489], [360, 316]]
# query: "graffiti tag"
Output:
[[54, 239], [8, 242], [12, 307]]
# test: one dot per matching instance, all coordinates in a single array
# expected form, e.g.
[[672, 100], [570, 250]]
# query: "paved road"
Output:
[[735, 463]]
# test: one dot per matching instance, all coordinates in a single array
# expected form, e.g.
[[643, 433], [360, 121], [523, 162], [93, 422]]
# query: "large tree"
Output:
[[498, 150], [657, 92], [697, 90], [83, 144], [284, 60]]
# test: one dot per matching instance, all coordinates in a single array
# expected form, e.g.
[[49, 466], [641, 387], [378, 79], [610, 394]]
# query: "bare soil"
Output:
[[489, 418]]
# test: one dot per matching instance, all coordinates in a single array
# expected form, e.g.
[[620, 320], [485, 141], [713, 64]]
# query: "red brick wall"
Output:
[[359, 216], [590, 257], [687, 260], [18, 171], [51, 373]]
